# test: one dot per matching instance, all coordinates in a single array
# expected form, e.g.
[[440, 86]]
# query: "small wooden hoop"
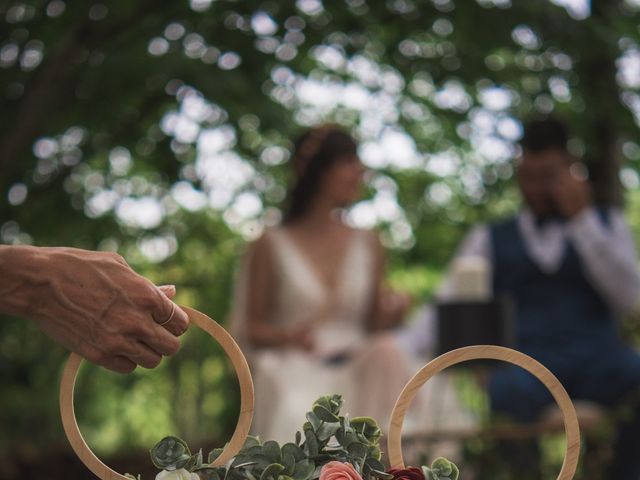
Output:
[[571, 427], [238, 361]]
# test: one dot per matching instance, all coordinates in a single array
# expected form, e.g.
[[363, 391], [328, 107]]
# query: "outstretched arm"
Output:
[[92, 303]]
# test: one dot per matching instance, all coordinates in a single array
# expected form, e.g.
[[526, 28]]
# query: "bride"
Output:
[[311, 309]]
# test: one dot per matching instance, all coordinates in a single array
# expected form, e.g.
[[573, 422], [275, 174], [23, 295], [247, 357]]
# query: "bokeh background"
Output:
[[162, 130]]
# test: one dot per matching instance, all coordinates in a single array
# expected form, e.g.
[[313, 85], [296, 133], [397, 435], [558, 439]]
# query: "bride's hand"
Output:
[[300, 336], [393, 307]]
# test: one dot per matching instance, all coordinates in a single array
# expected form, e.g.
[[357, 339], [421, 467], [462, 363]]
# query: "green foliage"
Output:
[[441, 469], [329, 437], [171, 453]]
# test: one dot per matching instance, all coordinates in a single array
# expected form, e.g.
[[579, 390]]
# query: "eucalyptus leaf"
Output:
[[272, 471], [214, 454], [368, 427], [244, 464], [311, 443], [375, 453], [304, 469], [332, 403], [326, 431], [271, 450], [382, 475], [443, 469], [194, 462], [170, 453], [314, 421], [289, 462], [374, 464], [251, 441], [294, 450], [325, 414], [358, 450], [208, 473]]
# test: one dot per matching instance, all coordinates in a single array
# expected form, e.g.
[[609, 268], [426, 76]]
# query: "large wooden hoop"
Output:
[[571, 427], [238, 361]]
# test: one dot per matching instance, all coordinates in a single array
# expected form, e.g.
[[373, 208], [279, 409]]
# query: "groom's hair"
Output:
[[544, 133]]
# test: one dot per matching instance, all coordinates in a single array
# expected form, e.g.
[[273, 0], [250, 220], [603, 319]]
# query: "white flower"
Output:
[[179, 474]]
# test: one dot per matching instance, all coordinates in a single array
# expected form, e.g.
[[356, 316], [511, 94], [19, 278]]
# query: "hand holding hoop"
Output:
[[493, 352], [240, 366]]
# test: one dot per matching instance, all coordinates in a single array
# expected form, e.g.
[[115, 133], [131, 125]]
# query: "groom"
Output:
[[570, 268]]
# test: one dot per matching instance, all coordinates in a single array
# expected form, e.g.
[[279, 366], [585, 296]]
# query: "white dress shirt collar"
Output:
[[545, 244]]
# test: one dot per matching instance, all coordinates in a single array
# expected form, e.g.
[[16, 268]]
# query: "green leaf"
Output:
[[170, 453], [311, 443], [325, 414], [194, 462], [375, 453], [314, 421], [271, 450], [208, 473], [374, 464], [304, 469], [298, 437], [445, 468], [441, 469], [294, 450], [381, 475], [332, 403], [251, 441], [326, 431], [358, 450], [289, 462], [272, 471], [368, 428], [214, 454], [347, 438]]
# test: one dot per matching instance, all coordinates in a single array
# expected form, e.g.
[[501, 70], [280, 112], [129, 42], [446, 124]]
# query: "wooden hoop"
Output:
[[571, 427], [240, 365]]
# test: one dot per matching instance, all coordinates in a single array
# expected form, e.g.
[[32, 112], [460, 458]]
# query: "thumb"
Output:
[[168, 290]]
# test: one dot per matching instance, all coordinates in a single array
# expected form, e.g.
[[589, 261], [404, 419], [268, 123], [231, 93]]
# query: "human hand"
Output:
[[393, 306], [571, 191], [300, 336], [94, 304]]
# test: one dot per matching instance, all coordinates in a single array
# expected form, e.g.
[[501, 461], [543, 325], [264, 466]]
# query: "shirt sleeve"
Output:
[[608, 255]]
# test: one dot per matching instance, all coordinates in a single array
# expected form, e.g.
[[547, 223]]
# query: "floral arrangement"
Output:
[[330, 447]]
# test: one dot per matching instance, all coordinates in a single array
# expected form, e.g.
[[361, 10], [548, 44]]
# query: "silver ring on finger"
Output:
[[170, 317]]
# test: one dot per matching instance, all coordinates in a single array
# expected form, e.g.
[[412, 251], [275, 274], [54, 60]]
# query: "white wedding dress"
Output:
[[288, 380]]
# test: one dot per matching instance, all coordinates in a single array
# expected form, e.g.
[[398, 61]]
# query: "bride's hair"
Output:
[[315, 151]]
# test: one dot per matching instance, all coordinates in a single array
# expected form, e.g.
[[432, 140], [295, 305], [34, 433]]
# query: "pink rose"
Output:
[[339, 471]]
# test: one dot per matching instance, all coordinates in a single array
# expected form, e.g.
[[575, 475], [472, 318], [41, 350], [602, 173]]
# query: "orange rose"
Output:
[[339, 471]]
